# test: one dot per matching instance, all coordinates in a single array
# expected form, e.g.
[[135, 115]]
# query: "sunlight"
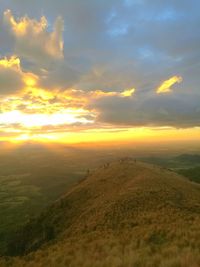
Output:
[[69, 116], [30, 79], [9, 63], [112, 136], [128, 92], [165, 87]]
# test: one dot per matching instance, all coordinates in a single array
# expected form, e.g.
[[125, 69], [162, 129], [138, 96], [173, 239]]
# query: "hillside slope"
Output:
[[125, 213]]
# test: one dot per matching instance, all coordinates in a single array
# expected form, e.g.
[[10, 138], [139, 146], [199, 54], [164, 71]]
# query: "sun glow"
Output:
[[68, 117], [30, 79]]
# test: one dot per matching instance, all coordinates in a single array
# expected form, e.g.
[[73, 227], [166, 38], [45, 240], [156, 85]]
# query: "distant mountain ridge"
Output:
[[195, 158], [175, 162]]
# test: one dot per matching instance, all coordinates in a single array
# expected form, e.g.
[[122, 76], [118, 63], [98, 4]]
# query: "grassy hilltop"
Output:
[[125, 213]]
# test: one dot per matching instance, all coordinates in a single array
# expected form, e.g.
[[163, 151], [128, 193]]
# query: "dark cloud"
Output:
[[59, 76], [10, 81], [177, 110], [11, 76]]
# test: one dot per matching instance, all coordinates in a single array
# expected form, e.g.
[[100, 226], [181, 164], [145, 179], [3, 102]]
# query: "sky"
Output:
[[82, 71]]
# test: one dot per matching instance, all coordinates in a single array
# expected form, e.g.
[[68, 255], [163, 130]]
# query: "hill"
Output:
[[189, 158], [192, 173], [125, 213], [183, 161]]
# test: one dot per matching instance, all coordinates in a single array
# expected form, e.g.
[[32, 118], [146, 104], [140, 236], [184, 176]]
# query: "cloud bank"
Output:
[[125, 63]]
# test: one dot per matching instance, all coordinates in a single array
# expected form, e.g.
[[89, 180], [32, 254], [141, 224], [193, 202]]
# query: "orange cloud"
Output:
[[13, 78], [43, 43], [100, 93], [165, 87], [24, 24], [128, 92], [13, 62]]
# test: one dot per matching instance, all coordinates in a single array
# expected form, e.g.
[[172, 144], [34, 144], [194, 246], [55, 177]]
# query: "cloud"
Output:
[[35, 100], [174, 110], [87, 66], [165, 87], [128, 92], [43, 48], [11, 76], [33, 40], [59, 76]]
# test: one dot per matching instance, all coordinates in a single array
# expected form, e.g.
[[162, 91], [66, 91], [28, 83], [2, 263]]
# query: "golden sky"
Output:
[[53, 89]]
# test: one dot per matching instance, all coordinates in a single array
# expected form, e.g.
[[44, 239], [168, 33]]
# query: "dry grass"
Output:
[[126, 214]]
